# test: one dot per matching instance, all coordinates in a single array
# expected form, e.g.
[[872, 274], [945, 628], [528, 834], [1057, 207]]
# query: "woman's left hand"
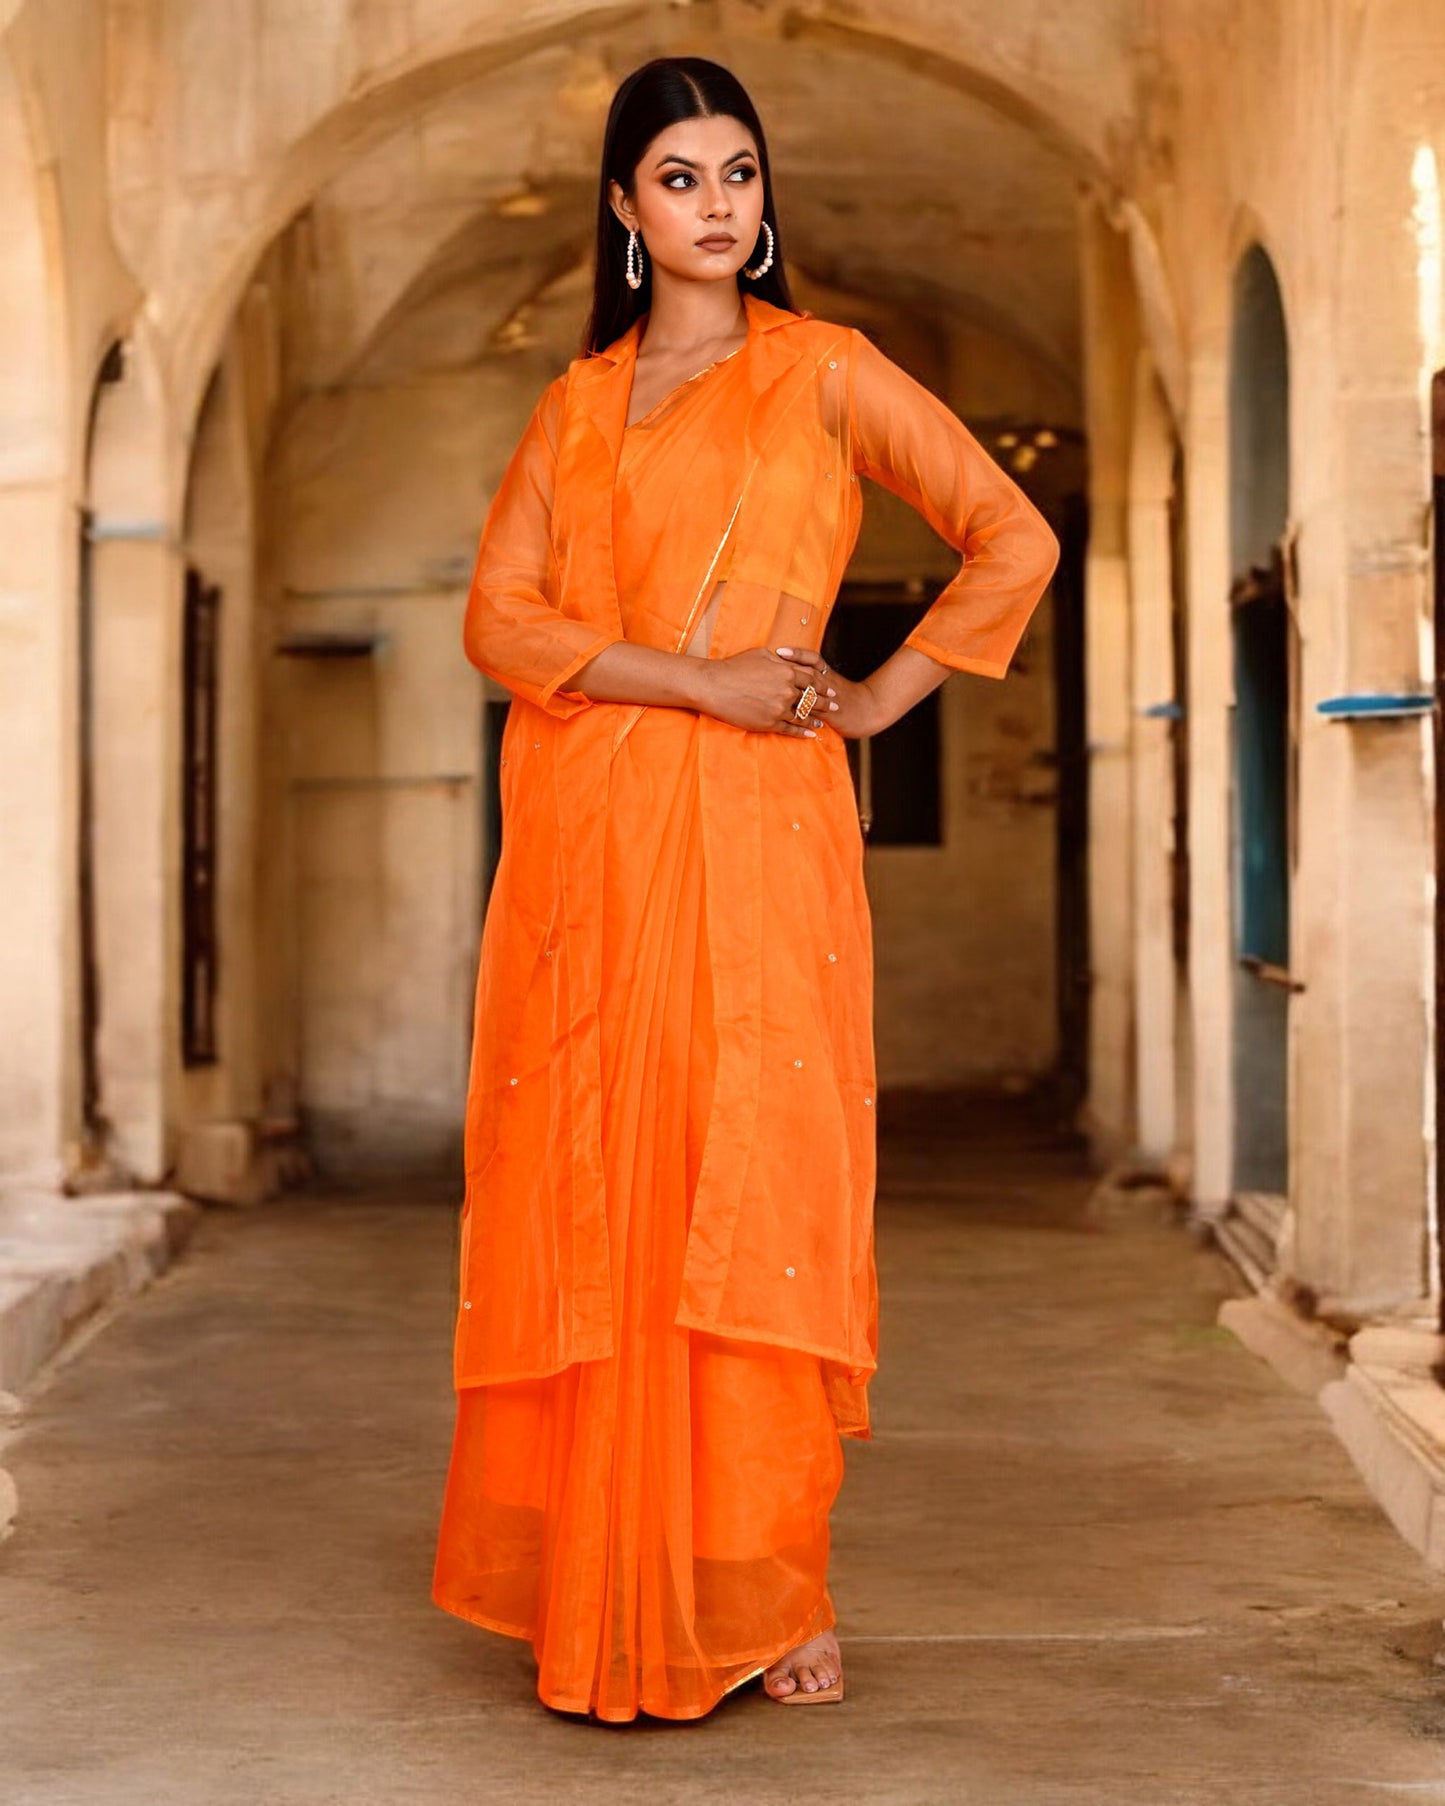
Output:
[[849, 709]]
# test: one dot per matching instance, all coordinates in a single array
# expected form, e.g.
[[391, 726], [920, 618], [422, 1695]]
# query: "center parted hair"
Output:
[[654, 96]]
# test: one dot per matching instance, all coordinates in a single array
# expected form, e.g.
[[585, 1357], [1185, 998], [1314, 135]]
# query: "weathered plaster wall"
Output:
[[1298, 126]]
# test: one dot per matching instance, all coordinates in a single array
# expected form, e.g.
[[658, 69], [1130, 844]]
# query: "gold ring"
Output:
[[804, 705]]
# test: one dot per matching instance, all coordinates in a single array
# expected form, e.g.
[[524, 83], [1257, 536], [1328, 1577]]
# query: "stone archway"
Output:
[[344, 608], [271, 226], [392, 97]]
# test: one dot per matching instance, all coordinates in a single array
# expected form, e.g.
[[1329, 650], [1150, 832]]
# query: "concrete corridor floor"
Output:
[[1096, 1552]]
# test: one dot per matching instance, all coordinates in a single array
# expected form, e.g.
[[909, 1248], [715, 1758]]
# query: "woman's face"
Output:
[[697, 200]]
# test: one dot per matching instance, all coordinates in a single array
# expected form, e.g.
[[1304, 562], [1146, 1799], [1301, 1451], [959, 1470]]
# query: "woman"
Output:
[[668, 1308]]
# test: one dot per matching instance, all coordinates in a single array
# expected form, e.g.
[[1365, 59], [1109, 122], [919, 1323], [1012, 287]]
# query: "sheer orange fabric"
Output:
[[656, 1521], [662, 1328]]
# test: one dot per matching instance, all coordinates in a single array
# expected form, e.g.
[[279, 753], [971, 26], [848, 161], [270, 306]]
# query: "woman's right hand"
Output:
[[758, 689]]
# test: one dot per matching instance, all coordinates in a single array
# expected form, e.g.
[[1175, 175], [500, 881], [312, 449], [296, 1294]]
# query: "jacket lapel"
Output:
[[602, 385]]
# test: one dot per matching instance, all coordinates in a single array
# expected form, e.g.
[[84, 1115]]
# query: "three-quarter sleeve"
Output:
[[906, 439], [513, 631]]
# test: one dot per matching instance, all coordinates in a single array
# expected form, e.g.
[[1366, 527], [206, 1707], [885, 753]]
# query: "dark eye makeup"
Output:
[[745, 170]]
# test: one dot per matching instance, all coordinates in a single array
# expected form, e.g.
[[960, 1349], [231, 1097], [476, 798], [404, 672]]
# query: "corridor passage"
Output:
[[1096, 1553]]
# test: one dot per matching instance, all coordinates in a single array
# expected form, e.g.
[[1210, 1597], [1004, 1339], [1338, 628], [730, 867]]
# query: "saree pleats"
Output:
[[655, 1523]]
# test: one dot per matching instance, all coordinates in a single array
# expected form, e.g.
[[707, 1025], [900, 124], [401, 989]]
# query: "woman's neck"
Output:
[[690, 317]]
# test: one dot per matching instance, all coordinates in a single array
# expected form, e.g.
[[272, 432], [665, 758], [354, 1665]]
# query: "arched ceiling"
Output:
[[890, 186]]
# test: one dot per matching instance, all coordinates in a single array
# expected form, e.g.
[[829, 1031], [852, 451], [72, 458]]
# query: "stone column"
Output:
[[1363, 1054], [137, 834], [1211, 958], [39, 1074], [1110, 339], [1152, 686], [135, 588]]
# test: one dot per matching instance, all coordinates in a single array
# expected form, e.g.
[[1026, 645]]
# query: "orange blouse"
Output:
[[741, 540]]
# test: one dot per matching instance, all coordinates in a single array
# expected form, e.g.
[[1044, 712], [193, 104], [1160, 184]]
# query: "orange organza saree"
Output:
[[668, 1305]]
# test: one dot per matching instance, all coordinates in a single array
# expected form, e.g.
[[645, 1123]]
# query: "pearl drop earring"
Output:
[[634, 261], [767, 263]]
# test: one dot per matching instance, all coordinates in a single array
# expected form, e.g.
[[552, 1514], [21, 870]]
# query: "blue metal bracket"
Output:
[[1163, 711], [1366, 707]]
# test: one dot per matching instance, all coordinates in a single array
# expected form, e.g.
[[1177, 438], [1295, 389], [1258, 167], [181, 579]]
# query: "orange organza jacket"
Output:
[[780, 1245]]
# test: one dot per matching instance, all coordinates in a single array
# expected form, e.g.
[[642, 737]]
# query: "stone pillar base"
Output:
[[1389, 1411], [1305, 1353], [238, 1162], [1383, 1390]]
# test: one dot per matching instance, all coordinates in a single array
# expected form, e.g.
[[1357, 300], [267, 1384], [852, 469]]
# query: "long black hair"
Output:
[[654, 96]]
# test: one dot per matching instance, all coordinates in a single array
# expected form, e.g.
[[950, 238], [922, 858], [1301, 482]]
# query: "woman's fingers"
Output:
[[808, 666], [799, 676], [807, 658]]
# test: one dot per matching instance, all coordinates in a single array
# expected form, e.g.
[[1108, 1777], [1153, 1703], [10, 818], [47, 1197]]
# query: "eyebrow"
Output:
[[688, 162]]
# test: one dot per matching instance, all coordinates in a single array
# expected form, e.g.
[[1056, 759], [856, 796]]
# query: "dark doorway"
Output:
[[896, 774], [1262, 741], [200, 703], [1179, 737], [1072, 758]]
